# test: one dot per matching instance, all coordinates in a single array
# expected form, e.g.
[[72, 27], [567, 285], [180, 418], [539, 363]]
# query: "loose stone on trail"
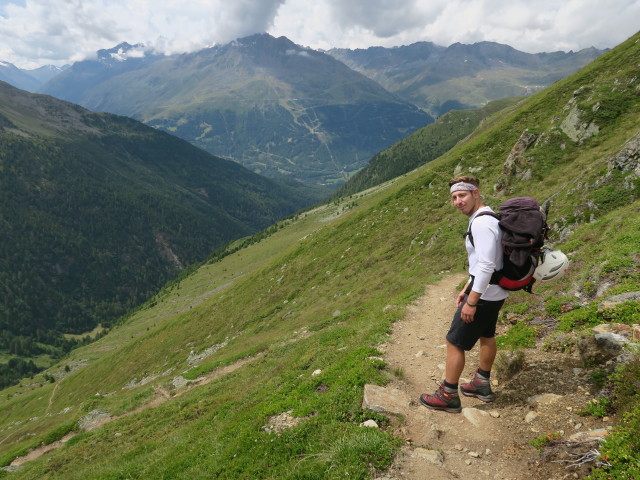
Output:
[[384, 400]]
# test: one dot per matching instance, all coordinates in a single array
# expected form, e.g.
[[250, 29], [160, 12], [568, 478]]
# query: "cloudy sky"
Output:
[[38, 32]]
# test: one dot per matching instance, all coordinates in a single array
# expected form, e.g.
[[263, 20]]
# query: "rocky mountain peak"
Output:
[[121, 52]]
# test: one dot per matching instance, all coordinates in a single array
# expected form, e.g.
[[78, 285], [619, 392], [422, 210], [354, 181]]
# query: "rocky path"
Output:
[[486, 440]]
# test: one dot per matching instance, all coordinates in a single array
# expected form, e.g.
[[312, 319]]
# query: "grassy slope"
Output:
[[330, 274]]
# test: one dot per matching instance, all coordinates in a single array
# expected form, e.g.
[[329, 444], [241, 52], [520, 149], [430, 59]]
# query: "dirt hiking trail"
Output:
[[486, 440]]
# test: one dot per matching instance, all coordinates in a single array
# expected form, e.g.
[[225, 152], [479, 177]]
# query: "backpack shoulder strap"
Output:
[[469, 234]]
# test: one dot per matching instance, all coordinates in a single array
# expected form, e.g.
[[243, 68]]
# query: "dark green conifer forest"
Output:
[[98, 211]]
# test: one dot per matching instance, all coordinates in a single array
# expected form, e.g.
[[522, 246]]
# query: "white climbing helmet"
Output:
[[553, 264]]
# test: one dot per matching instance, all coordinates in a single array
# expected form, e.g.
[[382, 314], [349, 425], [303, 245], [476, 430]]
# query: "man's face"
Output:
[[466, 201]]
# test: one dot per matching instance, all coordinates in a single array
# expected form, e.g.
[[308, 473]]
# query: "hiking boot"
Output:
[[479, 387], [444, 398]]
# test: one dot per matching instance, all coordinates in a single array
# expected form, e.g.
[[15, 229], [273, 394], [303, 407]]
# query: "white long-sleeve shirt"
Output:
[[485, 255]]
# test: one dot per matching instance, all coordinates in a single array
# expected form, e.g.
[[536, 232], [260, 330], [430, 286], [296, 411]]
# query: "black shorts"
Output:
[[465, 335]]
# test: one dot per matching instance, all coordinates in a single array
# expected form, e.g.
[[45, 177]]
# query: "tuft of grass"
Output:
[[591, 315], [378, 363], [520, 335], [626, 385], [598, 408], [599, 377], [560, 342], [519, 308], [398, 372], [368, 445], [58, 432], [539, 443], [554, 306]]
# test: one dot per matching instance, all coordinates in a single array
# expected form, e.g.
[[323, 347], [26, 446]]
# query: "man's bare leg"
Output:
[[455, 363], [488, 350]]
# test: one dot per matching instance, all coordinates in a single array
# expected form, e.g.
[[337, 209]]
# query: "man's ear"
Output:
[[476, 193]]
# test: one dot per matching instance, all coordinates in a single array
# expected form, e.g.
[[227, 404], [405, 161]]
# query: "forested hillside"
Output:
[[421, 147], [99, 211]]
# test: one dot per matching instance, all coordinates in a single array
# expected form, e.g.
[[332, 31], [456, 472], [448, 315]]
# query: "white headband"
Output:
[[462, 186]]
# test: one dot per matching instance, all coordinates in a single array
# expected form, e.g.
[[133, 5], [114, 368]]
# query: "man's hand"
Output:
[[467, 313]]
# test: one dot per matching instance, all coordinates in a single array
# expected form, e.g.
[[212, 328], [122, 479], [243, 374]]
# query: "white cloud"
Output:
[[529, 25], [122, 55], [35, 32], [67, 30]]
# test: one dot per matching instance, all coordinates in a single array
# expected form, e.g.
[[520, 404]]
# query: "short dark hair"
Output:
[[465, 179]]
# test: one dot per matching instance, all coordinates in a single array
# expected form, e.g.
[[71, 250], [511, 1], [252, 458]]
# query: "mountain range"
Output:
[[29, 80], [269, 104], [99, 211], [439, 79], [284, 110]]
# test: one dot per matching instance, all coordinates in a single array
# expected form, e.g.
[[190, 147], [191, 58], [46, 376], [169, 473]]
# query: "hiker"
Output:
[[478, 303]]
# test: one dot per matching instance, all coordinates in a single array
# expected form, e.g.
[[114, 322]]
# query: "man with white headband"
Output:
[[478, 303]]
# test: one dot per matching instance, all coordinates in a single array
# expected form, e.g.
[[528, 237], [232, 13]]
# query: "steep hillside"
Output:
[[440, 79], [99, 211], [255, 365], [421, 147], [275, 107]]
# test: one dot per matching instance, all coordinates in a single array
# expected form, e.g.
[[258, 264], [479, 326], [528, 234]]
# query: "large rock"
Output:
[[628, 159], [590, 352], [619, 328], [431, 456], [93, 419], [614, 300], [602, 347], [573, 125], [576, 129], [385, 400], [611, 343], [516, 159], [544, 399], [474, 415]]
